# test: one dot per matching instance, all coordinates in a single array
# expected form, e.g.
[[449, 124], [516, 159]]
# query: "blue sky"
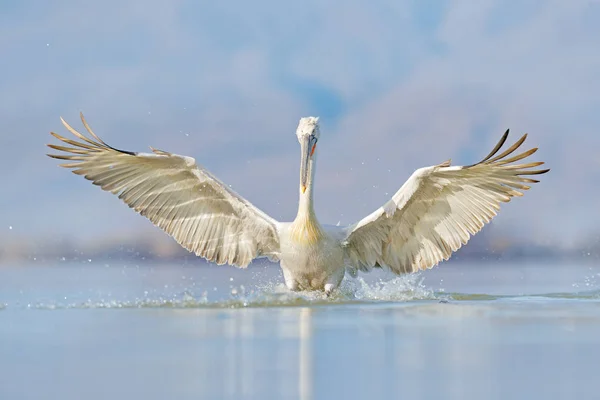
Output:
[[398, 85]]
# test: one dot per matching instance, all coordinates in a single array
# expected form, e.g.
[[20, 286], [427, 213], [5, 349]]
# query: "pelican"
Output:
[[431, 216]]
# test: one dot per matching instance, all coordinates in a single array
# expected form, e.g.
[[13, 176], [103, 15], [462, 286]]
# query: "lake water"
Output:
[[460, 331]]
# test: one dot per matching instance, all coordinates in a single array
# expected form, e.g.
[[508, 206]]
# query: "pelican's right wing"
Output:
[[177, 195], [436, 211]]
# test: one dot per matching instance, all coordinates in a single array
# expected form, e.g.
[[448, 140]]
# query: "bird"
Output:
[[431, 216]]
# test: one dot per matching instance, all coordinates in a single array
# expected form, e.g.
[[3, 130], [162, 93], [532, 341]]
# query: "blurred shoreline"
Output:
[[157, 247]]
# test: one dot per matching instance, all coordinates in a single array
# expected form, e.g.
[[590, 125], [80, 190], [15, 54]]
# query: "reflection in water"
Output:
[[305, 358], [248, 353], [491, 350], [148, 334]]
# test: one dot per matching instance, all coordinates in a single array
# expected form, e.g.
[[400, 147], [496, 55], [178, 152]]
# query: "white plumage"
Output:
[[432, 215]]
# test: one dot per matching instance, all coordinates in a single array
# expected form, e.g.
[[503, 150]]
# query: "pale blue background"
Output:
[[399, 85]]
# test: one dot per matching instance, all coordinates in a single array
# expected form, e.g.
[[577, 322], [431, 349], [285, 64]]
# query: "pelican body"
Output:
[[431, 216]]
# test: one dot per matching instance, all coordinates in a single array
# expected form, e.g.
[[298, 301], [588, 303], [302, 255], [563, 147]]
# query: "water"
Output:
[[461, 331]]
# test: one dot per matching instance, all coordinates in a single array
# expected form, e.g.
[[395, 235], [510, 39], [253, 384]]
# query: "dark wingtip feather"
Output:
[[87, 143], [494, 150]]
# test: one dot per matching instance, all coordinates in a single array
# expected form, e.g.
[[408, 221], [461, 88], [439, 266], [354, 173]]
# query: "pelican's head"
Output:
[[308, 135]]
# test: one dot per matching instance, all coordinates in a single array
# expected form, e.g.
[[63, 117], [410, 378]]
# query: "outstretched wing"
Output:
[[437, 210], [177, 195]]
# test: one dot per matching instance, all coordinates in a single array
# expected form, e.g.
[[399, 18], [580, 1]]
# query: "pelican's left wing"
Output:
[[177, 195], [436, 211]]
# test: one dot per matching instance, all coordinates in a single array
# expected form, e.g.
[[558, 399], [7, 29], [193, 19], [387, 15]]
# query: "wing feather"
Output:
[[182, 198], [437, 211]]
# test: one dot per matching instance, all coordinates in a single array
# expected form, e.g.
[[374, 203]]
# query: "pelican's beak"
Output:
[[307, 147]]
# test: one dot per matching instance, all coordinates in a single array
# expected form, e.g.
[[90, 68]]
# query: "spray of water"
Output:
[[271, 294]]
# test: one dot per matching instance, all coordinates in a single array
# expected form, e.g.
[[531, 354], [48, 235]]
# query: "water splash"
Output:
[[590, 282], [273, 293], [402, 288]]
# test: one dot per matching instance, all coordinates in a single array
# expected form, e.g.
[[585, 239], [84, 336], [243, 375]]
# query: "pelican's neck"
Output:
[[305, 204], [306, 228]]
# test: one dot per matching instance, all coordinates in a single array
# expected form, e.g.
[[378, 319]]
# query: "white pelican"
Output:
[[432, 215]]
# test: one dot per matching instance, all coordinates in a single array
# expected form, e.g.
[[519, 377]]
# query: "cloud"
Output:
[[533, 76], [398, 86]]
